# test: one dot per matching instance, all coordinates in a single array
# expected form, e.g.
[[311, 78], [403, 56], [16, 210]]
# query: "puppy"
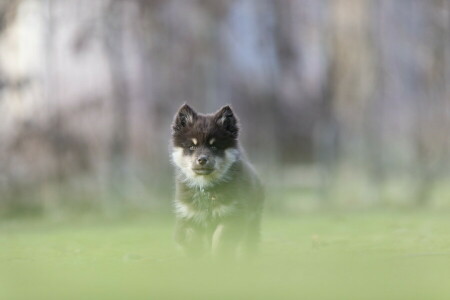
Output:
[[219, 198]]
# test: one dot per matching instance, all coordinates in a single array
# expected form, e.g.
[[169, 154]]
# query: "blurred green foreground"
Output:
[[383, 255]]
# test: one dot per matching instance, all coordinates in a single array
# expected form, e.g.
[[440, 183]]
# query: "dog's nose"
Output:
[[202, 160]]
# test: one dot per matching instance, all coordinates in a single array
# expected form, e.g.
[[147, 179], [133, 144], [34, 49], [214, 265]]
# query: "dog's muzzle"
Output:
[[203, 165]]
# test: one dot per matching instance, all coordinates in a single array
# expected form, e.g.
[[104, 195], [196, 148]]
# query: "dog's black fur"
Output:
[[218, 195]]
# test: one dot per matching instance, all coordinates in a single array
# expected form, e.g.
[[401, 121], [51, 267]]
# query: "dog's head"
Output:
[[205, 146]]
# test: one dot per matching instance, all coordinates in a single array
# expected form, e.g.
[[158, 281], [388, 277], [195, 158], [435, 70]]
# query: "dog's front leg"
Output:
[[189, 238]]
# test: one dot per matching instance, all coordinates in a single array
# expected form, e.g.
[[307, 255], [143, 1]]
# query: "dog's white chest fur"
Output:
[[204, 208]]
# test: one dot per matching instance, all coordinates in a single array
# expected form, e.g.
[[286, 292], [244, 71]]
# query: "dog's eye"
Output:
[[192, 148], [213, 148]]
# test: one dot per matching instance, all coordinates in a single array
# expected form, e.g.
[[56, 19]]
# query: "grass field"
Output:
[[376, 255]]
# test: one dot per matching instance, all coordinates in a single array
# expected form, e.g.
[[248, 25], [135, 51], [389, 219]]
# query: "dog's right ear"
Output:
[[184, 117]]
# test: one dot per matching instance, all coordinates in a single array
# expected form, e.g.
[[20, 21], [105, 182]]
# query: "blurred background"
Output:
[[343, 104]]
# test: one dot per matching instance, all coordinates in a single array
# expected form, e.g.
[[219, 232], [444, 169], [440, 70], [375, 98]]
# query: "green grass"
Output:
[[377, 255]]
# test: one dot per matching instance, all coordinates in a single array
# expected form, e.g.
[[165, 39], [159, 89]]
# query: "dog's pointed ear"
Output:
[[227, 120], [185, 117]]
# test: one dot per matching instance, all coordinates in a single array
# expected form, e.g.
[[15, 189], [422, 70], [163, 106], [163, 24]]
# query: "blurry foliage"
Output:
[[325, 91]]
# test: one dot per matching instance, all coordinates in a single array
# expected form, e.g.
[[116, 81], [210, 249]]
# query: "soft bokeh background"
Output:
[[342, 103], [345, 112]]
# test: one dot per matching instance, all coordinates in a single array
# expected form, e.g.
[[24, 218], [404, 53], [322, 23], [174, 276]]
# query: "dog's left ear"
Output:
[[185, 117], [226, 119]]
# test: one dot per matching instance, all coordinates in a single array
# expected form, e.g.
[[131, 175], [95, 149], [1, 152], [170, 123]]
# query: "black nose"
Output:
[[202, 159]]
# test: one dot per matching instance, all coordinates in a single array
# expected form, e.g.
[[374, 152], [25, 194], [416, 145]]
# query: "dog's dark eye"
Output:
[[192, 148], [213, 148]]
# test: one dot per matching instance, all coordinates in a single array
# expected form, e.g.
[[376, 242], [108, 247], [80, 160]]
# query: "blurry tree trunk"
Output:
[[51, 88], [281, 63], [212, 69], [8, 11], [373, 105], [354, 108], [114, 46], [431, 134], [326, 136], [284, 66], [326, 128]]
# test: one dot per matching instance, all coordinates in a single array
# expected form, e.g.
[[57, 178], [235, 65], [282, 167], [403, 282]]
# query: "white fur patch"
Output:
[[181, 161], [222, 210], [184, 163], [189, 118], [223, 119], [194, 140], [212, 141], [185, 211]]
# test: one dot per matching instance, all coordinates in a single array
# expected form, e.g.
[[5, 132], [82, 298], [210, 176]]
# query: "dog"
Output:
[[219, 198]]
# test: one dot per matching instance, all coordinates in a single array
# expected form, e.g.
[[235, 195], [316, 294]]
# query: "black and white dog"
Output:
[[219, 198]]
